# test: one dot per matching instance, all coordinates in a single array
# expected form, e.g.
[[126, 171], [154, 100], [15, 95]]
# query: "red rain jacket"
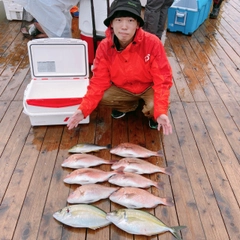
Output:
[[139, 66]]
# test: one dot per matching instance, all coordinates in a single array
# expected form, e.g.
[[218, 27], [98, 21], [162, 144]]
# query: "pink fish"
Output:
[[90, 193], [139, 166], [128, 179], [88, 175], [134, 151], [131, 197], [84, 161]]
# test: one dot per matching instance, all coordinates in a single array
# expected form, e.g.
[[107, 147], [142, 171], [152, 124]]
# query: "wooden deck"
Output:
[[204, 149]]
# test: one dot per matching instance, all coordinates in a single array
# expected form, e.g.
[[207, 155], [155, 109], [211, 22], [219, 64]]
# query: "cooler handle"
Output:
[[180, 18], [43, 114]]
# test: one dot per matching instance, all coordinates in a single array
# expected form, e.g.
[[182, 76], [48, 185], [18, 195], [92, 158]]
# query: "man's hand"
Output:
[[163, 121], [75, 119]]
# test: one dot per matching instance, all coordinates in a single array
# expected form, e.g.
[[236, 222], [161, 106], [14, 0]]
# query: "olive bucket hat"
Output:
[[132, 6]]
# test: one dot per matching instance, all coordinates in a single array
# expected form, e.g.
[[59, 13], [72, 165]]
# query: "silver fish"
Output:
[[82, 160], [87, 147], [88, 175], [140, 222], [131, 197], [82, 216], [128, 179], [139, 166], [134, 151], [90, 193]]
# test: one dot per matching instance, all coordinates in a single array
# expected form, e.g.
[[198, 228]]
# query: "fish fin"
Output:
[[160, 153], [168, 201], [159, 185], [113, 161], [168, 171], [175, 230], [120, 170]]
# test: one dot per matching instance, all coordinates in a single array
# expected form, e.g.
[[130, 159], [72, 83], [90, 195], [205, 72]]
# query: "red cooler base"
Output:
[[89, 40]]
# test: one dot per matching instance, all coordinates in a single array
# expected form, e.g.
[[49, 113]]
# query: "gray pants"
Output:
[[155, 16]]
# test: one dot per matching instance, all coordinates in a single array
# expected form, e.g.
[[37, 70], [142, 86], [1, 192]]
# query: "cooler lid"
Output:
[[59, 58]]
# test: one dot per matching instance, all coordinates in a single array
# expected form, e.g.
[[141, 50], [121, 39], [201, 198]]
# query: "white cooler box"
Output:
[[60, 76]]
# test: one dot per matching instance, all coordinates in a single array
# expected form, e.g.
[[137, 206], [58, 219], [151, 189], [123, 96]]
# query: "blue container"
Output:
[[187, 15]]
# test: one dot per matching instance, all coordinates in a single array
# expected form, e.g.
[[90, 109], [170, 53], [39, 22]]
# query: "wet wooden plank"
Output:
[[58, 191], [36, 195], [10, 118], [10, 155], [181, 149], [208, 71], [3, 108], [220, 77], [197, 60], [229, 204], [208, 208], [11, 69], [186, 68], [15, 195]]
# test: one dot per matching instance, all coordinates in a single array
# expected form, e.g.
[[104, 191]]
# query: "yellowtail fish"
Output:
[[90, 193], [128, 179], [134, 151], [139, 166], [82, 216], [88, 175], [140, 222], [87, 147], [83, 160], [131, 197]]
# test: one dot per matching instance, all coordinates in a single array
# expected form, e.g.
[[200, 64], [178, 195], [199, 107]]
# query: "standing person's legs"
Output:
[[152, 16], [216, 8], [163, 17]]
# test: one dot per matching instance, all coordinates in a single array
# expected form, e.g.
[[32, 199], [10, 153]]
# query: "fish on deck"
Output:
[[87, 147], [131, 197], [90, 193], [140, 222], [134, 151], [82, 216], [83, 160], [139, 166], [128, 179], [88, 175]]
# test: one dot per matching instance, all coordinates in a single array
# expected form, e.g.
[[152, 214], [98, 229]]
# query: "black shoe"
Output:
[[153, 124], [214, 13], [116, 114]]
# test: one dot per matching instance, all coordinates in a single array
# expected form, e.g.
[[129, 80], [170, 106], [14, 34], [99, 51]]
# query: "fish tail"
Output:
[[175, 230], [160, 153], [168, 171], [120, 170], [168, 201], [113, 161], [159, 185]]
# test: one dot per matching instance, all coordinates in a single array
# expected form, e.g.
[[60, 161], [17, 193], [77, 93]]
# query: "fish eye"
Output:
[[125, 215]]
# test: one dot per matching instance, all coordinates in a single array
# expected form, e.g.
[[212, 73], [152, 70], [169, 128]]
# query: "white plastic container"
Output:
[[14, 11], [100, 14], [59, 70]]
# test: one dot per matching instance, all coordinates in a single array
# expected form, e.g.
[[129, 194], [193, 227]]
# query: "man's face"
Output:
[[124, 28]]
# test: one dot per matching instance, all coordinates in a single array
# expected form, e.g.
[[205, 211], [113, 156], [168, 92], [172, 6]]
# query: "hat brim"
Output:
[[108, 20]]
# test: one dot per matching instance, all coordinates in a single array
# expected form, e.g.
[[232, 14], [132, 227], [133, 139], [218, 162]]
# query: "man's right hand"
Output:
[[75, 119]]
